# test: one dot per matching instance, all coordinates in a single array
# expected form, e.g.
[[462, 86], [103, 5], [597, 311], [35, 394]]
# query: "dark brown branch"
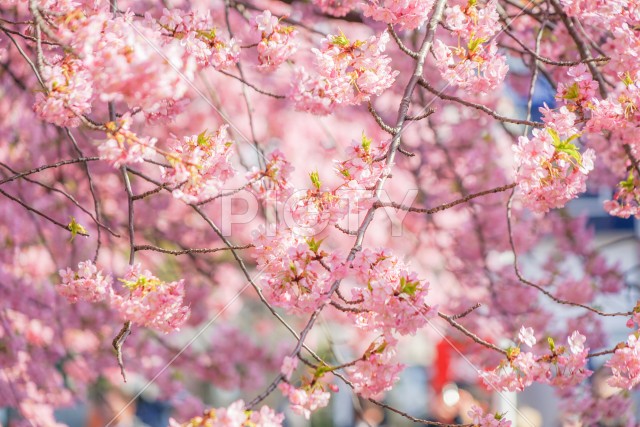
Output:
[[189, 250], [479, 107], [252, 86], [37, 212], [523, 280], [401, 45], [446, 205], [470, 334]]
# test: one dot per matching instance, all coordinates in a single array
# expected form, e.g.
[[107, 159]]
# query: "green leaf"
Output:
[[629, 184], [572, 92], [552, 344], [554, 136], [341, 40], [315, 179], [626, 79], [203, 139], [76, 228], [366, 143], [408, 287], [314, 244], [512, 352], [474, 43]]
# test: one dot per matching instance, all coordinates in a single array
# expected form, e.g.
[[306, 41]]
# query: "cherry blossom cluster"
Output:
[[318, 206], [593, 409], [392, 298], [296, 272], [562, 367], [550, 171], [124, 83], [69, 92], [200, 165], [234, 415], [273, 181], [200, 38], [362, 169], [407, 14], [150, 302], [626, 199], [307, 399], [480, 419], [123, 63], [336, 8], [312, 393], [147, 300], [475, 65], [277, 42], [123, 146], [87, 283], [348, 73], [581, 89], [377, 371], [625, 364]]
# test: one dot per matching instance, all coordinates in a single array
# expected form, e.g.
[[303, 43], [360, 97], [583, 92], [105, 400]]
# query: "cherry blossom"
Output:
[[476, 66], [393, 297], [289, 365], [407, 14], [234, 416], [294, 276], [527, 337], [377, 371], [124, 146], [277, 42], [481, 419], [625, 365], [304, 401], [200, 165], [87, 283], [199, 37], [336, 7], [68, 95], [151, 302], [397, 214], [348, 73], [550, 171]]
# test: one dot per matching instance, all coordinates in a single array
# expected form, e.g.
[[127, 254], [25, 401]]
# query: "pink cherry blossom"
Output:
[[272, 182], [150, 302], [481, 419], [199, 37], [336, 8], [68, 95], [625, 365], [289, 365], [200, 165], [527, 337], [377, 371], [347, 73], [87, 283], [304, 401], [407, 14], [294, 276], [124, 146], [475, 66], [393, 297], [234, 415], [550, 171], [277, 42]]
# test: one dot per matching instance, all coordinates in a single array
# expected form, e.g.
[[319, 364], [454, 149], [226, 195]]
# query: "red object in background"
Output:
[[441, 366]]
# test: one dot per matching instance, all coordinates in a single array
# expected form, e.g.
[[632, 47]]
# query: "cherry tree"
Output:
[[391, 187]]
